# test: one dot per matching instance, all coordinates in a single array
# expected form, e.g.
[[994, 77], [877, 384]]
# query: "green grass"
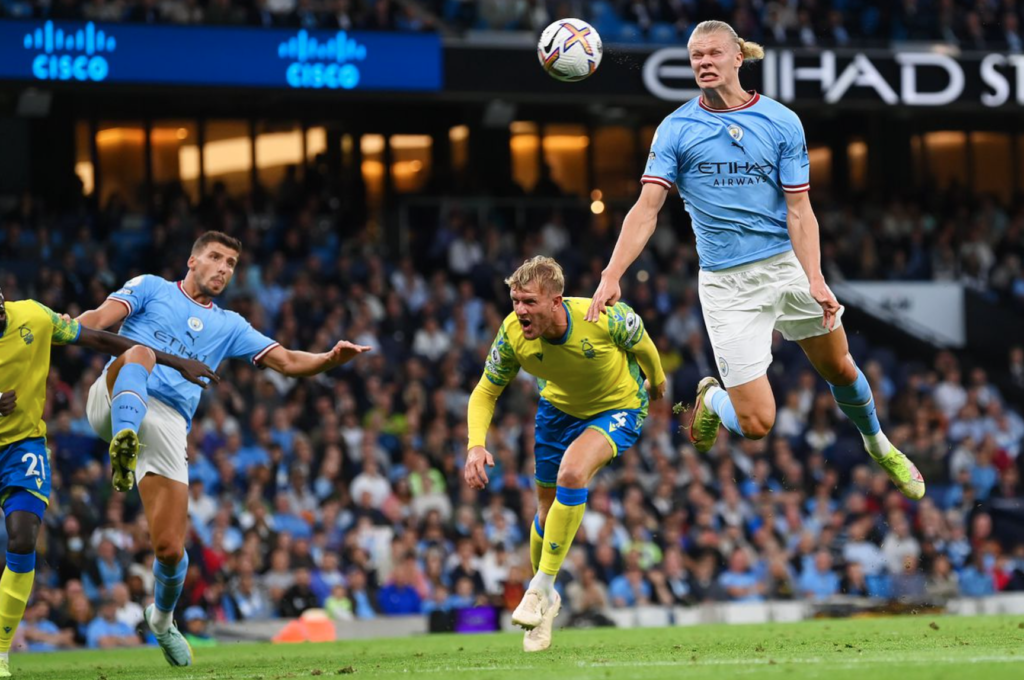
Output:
[[961, 648]]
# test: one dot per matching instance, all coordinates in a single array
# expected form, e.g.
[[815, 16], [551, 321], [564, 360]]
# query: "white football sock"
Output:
[[161, 621], [712, 391], [877, 444], [545, 583]]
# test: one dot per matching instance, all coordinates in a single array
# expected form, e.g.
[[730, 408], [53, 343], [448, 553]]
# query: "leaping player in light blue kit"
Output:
[[145, 411], [739, 160]]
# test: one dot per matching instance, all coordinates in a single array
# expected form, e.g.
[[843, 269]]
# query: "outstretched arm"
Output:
[[803, 232], [637, 228], [67, 331], [110, 343], [106, 315], [297, 364]]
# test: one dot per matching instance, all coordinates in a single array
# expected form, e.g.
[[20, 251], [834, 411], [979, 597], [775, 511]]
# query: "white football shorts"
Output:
[[163, 434], [743, 305]]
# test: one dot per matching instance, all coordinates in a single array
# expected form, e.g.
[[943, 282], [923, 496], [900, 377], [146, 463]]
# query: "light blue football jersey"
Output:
[[162, 315], [733, 168]]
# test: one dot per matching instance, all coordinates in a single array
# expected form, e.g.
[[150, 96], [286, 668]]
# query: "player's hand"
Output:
[[656, 392], [343, 352], [606, 295], [477, 462], [8, 400], [824, 296], [193, 370], [66, 318]]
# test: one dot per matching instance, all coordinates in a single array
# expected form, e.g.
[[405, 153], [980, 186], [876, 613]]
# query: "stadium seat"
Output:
[[879, 586], [663, 33], [630, 33]]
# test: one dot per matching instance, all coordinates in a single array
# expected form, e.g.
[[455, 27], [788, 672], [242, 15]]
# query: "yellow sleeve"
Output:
[[627, 331], [649, 359], [481, 410], [64, 332]]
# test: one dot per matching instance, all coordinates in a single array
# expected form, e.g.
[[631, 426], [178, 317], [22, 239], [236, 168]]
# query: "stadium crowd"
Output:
[[968, 24], [344, 492]]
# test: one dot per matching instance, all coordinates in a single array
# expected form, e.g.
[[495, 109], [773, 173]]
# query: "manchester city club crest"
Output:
[[723, 366], [195, 324], [736, 132]]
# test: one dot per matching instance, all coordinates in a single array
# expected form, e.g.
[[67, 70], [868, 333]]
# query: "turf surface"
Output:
[[983, 648]]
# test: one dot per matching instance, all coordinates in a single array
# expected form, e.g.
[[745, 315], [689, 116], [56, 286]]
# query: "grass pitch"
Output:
[[960, 648]]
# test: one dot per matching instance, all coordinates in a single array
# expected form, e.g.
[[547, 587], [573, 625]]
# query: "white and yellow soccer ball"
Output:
[[569, 50]]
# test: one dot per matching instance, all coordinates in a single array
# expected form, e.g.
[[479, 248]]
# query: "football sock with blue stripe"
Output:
[[560, 528], [15, 588]]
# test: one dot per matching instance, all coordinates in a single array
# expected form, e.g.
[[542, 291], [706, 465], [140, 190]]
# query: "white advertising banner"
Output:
[[930, 310]]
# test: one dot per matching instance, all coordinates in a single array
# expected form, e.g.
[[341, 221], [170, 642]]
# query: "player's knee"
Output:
[[140, 354], [168, 551], [756, 426], [840, 372], [572, 477], [22, 543]]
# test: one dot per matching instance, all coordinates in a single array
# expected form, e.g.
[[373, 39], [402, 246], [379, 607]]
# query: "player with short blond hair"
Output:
[[593, 401]]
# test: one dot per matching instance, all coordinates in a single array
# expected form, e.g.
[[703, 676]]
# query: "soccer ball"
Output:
[[569, 50]]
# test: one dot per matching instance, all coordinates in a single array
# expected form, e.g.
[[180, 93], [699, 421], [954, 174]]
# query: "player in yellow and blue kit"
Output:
[[593, 401], [27, 331], [740, 162]]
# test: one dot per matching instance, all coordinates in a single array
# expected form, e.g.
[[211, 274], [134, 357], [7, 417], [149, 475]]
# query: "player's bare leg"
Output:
[[126, 384], [747, 410], [830, 356], [166, 504], [541, 603]]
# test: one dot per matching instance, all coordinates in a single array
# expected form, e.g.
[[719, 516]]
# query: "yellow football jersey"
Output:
[[25, 365], [591, 369]]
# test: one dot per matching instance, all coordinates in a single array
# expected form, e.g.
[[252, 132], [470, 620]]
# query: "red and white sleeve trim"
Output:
[[796, 188], [263, 352], [654, 179], [123, 302]]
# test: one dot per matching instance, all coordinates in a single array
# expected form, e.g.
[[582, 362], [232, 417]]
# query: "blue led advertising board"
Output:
[[90, 53]]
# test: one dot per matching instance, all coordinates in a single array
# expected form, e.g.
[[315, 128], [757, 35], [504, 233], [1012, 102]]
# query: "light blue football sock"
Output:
[[858, 404], [722, 407], [130, 401], [169, 582]]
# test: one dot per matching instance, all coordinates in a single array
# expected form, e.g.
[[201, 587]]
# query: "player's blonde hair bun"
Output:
[[751, 51]]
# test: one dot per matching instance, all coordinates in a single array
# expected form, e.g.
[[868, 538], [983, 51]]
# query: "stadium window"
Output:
[[821, 166], [316, 143], [227, 156], [170, 141], [944, 159], [525, 144], [83, 158], [857, 161], [372, 148], [565, 154], [410, 162], [615, 174], [458, 137], [646, 139], [992, 164], [279, 151], [121, 148]]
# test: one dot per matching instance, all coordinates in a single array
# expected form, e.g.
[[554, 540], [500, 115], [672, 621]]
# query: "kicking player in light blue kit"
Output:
[[145, 411], [739, 160]]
